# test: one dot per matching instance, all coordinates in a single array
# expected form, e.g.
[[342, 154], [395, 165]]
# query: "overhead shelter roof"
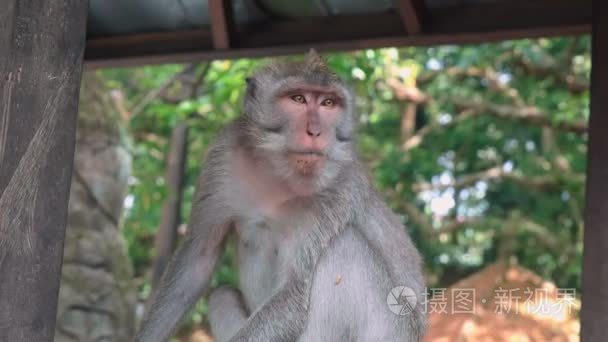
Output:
[[161, 31]]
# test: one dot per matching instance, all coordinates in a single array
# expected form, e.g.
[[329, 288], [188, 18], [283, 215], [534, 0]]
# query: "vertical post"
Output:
[[594, 314], [222, 23], [411, 13], [167, 232], [41, 48]]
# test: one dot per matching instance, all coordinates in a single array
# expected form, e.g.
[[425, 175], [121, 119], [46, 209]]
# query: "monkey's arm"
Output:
[[282, 318], [188, 274], [183, 282]]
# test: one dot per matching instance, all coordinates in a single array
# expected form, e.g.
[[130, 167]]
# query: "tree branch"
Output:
[[189, 87], [514, 221], [527, 114], [417, 139], [152, 95], [407, 93], [455, 225], [551, 68], [487, 74], [538, 183], [462, 182], [543, 233], [422, 220]]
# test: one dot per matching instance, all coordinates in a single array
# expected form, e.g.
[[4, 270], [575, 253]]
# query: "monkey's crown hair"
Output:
[[312, 67], [314, 61]]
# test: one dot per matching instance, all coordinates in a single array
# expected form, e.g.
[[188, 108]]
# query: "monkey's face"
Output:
[[311, 115], [313, 137], [302, 122]]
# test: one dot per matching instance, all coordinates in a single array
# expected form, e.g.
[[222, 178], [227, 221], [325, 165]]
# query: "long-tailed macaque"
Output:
[[318, 249]]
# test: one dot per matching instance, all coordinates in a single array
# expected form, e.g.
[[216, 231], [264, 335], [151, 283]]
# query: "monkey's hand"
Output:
[[282, 318]]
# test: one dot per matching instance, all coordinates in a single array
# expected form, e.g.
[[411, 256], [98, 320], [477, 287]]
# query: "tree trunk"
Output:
[[97, 297], [166, 237], [408, 121]]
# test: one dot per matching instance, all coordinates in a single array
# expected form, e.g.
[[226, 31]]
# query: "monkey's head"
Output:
[[300, 121]]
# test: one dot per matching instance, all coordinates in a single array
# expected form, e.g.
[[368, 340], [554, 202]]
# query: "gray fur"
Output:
[[291, 247]]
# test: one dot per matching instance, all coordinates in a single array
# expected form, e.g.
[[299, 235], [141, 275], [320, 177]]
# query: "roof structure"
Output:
[[122, 33], [41, 50]]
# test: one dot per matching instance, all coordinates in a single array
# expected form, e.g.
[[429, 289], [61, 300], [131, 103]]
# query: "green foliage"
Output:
[[529, 209]]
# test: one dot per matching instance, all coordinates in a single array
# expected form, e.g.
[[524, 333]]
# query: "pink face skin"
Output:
[[313, 112]]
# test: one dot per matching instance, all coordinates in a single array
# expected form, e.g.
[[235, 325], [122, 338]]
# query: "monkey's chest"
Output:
[[263, 258]]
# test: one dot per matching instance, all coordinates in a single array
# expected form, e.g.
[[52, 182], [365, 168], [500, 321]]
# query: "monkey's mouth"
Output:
[[306, 153], [306, 162]]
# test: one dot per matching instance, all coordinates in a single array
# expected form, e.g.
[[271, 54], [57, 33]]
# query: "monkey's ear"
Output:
[[251, 86]]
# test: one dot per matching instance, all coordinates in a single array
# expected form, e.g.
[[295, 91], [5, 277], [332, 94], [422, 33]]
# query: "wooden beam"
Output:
[[106, 58], [166, 237], [412, 14], [41, 48], [470, 24], [147, 44], [499, 17], [222, 23], [594, 315]]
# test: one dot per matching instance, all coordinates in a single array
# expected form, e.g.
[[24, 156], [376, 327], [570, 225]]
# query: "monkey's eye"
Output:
[[328, 103], [299, 98]]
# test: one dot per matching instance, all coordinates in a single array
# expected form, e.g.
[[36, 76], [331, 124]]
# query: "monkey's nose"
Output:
[[313, 130]]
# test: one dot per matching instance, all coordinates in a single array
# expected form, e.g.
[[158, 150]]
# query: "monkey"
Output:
[[318, 250]]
